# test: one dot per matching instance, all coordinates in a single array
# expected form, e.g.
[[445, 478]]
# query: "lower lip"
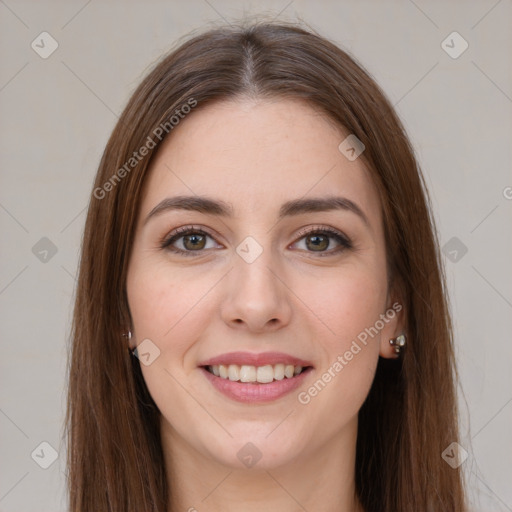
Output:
[[256, 392]]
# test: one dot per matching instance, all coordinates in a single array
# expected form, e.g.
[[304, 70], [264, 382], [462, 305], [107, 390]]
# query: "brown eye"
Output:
[[191, 240], [194, 241], [318, 240]]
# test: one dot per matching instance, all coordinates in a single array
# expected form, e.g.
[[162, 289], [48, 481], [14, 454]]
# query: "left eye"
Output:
[[319, 238], [194, 240]]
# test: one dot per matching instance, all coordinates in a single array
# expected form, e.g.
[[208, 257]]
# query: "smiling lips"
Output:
[[260, 374], [248, 377], [251, 359]]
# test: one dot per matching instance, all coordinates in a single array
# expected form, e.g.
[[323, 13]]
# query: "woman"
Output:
[[261, 320]]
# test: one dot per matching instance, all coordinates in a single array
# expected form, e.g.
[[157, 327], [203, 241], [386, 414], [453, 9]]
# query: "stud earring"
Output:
[[398, 343], [127, 335]]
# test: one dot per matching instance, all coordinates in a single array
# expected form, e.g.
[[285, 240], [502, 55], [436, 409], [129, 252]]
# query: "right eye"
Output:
[[192, 239]]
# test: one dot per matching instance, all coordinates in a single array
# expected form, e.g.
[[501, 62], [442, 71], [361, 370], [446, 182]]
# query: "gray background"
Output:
[[57, 113]]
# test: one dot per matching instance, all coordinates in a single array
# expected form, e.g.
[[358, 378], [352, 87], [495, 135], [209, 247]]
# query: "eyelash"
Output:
[[344, 242]]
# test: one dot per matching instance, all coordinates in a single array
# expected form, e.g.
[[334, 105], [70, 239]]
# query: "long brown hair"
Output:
[[115, 458]]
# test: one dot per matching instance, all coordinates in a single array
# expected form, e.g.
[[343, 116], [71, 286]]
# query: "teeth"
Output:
[[265, 374], [261, 374], [234, 372], [223, 371], [279, 371], [247, 373]]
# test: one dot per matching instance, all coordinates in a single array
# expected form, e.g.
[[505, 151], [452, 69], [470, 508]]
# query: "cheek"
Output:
[[350, 305], [167, 306], [160, 297], [351, 301], [170, 306]]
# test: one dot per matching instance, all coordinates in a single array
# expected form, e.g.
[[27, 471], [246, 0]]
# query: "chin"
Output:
[[258, 451]]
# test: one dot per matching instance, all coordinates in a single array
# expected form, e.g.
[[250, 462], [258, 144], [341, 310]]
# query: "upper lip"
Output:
[[252, 359]]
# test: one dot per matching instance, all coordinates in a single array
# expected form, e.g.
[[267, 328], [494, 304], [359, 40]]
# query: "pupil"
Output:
[[194, 239], [318, 240]]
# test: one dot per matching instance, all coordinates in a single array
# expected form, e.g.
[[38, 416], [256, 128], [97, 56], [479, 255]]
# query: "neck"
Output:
[[322, 480]]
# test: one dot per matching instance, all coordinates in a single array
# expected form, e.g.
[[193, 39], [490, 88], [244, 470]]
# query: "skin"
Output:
[[255, 155]]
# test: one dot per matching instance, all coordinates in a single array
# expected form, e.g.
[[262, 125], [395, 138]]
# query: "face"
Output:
[[232, 298]]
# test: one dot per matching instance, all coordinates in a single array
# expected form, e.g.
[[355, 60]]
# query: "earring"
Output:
[[398, 342], [127, 335]]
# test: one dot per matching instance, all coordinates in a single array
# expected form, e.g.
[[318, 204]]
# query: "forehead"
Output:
[[256, 155]]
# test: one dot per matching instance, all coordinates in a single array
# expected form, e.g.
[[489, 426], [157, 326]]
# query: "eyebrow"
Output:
[[220, 208]]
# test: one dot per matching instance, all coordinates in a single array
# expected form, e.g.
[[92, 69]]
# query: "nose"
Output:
[[256, 297]]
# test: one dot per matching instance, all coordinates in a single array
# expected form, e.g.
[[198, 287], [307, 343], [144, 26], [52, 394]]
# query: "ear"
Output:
[[131, 343], [394, 320], [128, 338]]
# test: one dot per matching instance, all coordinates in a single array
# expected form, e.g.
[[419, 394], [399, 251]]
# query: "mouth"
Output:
[[250, 384], [248, 377], [250, 374]]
